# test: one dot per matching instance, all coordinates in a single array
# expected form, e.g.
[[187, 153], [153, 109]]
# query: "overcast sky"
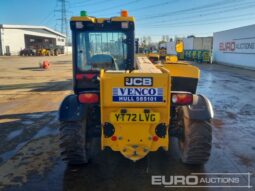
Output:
[[153, 17]]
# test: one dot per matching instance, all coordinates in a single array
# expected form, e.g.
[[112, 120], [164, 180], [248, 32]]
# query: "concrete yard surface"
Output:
[[30, 156]]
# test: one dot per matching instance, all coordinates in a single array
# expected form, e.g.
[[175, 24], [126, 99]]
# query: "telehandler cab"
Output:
[[132, 105]]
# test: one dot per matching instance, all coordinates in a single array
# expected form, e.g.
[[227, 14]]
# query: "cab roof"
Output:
[[101, 20]]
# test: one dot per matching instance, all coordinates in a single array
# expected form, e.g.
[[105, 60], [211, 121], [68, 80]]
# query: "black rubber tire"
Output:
[[195, 145], [73, 142]]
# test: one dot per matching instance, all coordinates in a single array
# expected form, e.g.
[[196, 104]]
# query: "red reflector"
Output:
[[88, 98], [89, 76], [86, 76], [182, 98], [155, 138], [113, 138], [79, 76]]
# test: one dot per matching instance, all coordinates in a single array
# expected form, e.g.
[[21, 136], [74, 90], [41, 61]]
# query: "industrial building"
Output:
[[235, 47], [14, 38]]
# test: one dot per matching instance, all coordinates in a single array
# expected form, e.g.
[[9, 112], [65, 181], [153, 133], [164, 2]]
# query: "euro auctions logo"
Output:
[[198, 180], [238, 46], [227, 46], [190, 180]]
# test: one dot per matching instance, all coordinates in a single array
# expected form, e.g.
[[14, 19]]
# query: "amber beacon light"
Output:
[[124, 13]]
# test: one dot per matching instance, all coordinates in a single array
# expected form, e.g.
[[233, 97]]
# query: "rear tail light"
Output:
[[88, 98], [182, 98], [89, 76], [84, 76], [79, 76]]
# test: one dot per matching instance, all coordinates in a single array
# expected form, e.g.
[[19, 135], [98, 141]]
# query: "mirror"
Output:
[[179, 46]]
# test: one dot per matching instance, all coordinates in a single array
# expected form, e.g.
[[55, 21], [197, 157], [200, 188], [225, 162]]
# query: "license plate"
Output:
[[135, 117]]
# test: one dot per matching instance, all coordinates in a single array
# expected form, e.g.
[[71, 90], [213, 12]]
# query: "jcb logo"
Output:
[[138, 81]]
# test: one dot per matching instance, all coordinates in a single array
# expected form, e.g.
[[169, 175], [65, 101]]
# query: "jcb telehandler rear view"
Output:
[[134, 106]]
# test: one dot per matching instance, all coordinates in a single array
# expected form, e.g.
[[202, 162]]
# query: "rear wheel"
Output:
[[73, 142], [195, 144]]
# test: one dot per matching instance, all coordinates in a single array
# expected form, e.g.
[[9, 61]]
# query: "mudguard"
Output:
[[201, 109], [71, 110]]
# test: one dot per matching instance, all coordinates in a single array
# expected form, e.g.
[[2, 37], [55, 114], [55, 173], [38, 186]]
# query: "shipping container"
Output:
[[188, 43], [170, 49], [207, 43], [198, 43], [235, 47]]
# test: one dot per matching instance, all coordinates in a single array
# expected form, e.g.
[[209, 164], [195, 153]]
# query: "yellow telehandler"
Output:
[[125, 102]]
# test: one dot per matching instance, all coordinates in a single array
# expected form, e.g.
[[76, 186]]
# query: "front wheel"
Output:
[[195, 144]]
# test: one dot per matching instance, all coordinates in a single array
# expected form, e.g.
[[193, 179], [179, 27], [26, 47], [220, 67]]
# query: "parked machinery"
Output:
[[162, 49], [154, 57], [27, 52], [201, 56], [40, 52]]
